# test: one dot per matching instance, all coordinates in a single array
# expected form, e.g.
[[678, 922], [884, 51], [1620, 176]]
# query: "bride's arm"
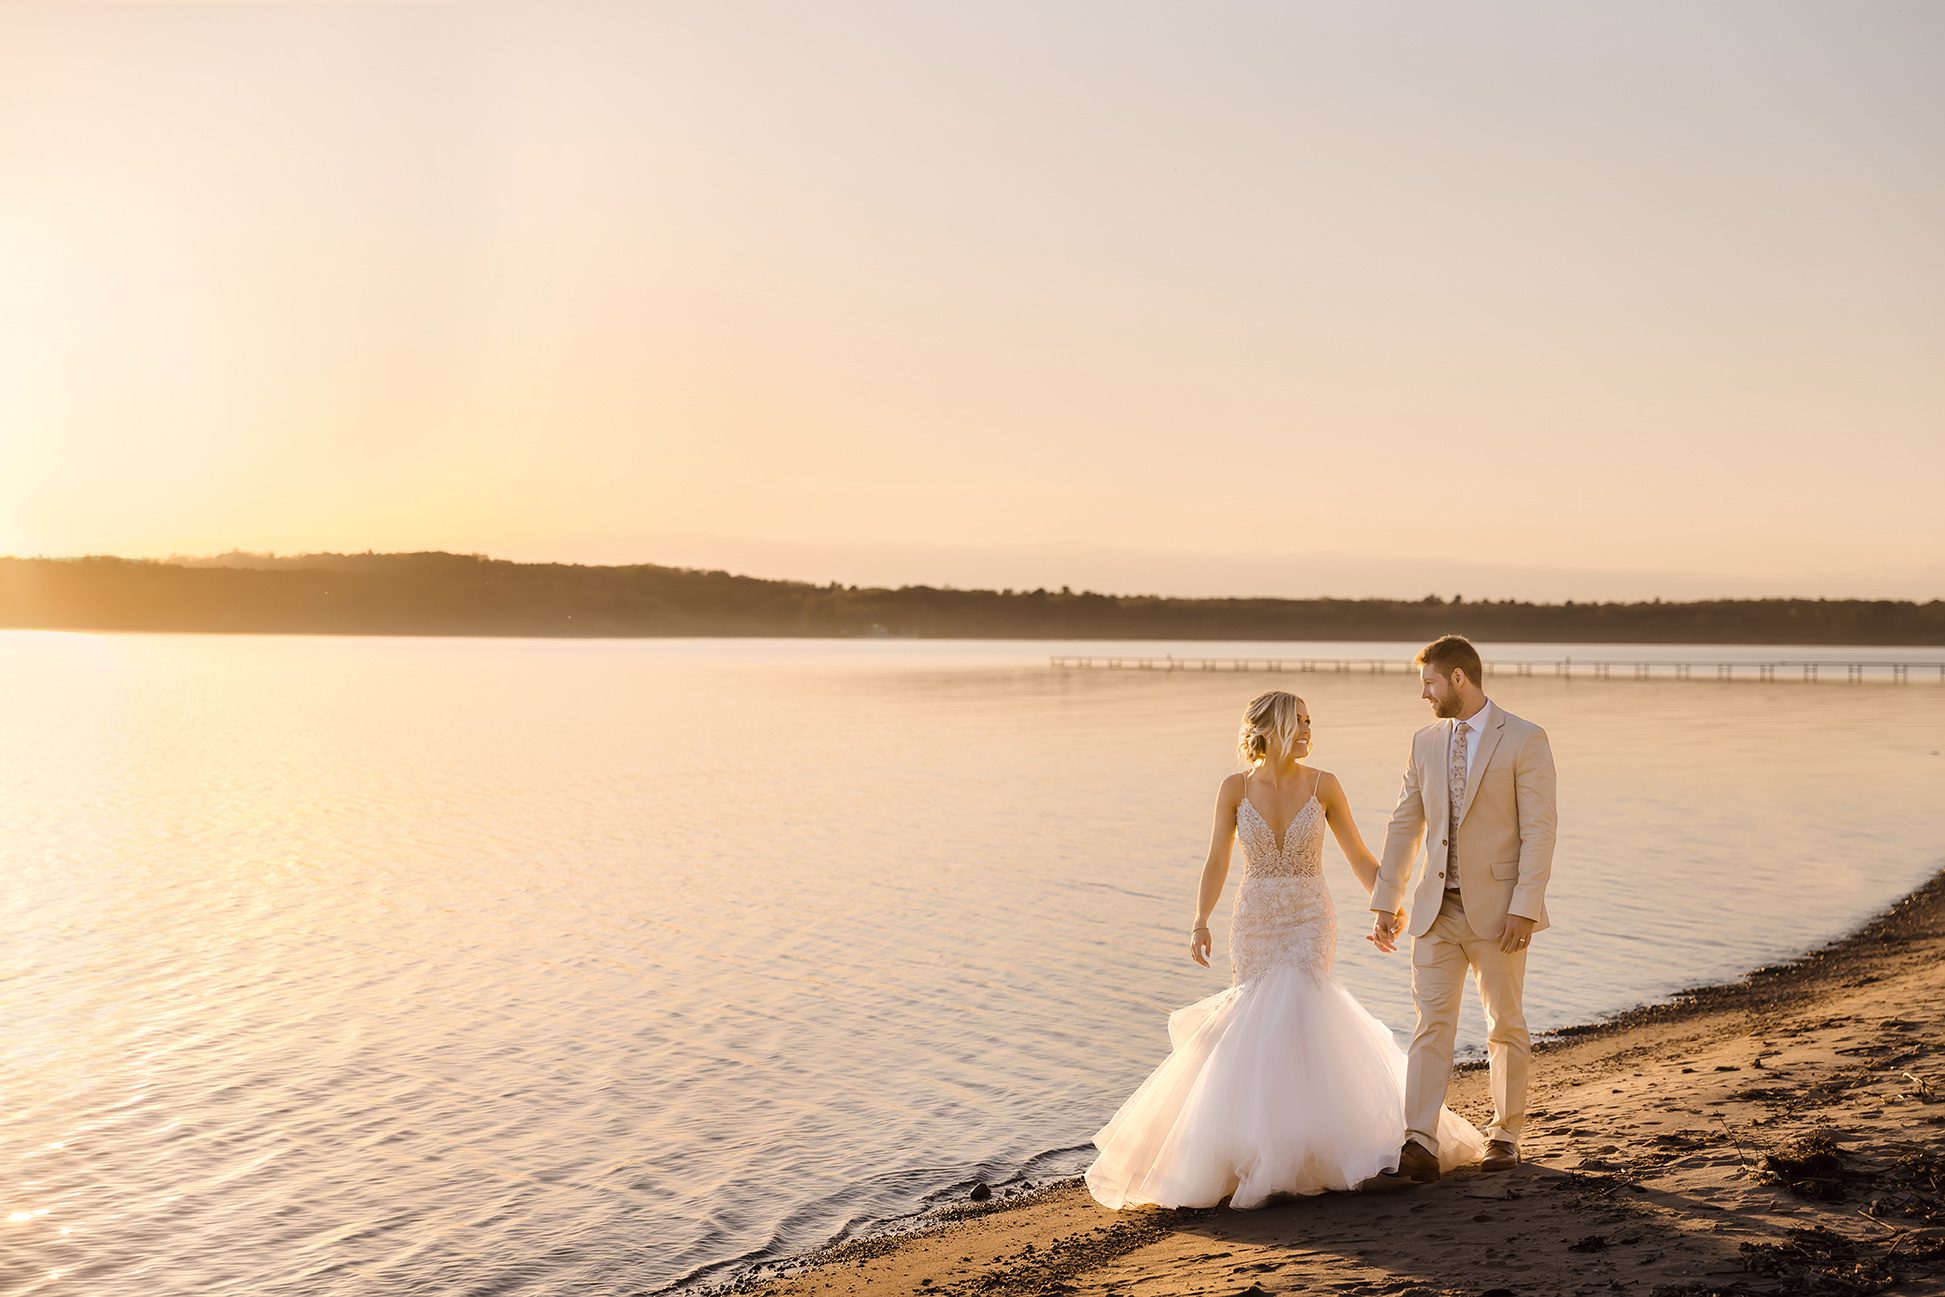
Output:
[[1215, 870], [1337, 813]]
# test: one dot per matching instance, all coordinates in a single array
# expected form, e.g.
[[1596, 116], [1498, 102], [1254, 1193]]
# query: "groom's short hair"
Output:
[[1449, 651]]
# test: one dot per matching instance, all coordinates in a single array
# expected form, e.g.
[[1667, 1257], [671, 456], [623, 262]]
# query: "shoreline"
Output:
[[437, 592], [1648, 1146]]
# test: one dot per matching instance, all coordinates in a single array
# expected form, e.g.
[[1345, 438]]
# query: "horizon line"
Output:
[[1066, 590]]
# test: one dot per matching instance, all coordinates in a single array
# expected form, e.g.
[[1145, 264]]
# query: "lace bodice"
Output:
[[1283, 915], [1300, 852]]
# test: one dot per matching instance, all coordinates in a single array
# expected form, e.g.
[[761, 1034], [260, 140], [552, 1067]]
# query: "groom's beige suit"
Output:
[[1504, 856]]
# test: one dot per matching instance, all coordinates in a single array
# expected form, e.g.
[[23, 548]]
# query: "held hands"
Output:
[[1514, 936], [1199, 946]]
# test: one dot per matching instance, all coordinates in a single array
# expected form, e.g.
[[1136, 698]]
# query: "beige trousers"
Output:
[[1439, 961]]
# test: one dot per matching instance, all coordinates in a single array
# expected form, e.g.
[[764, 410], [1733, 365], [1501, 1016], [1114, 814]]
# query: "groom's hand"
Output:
[[1514, 937], [1384, 931]]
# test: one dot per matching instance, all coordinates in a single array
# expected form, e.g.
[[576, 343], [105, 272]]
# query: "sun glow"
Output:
[[862, 296]]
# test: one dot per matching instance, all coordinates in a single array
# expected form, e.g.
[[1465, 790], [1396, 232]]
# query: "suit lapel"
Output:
[[1487, 742]]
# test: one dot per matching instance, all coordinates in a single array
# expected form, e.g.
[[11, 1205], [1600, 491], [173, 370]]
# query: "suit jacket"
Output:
[[1506, 827]]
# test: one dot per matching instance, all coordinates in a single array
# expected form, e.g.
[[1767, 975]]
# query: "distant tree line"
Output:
[[470, 594]]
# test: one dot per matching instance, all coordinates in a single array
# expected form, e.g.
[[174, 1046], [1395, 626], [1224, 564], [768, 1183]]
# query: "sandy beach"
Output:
[[1782, 1134]]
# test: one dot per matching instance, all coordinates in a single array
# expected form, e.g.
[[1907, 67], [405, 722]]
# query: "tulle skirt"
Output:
[[1282, 1084]]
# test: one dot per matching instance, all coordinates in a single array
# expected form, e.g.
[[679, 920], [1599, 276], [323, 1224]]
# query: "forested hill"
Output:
[[455, 594]]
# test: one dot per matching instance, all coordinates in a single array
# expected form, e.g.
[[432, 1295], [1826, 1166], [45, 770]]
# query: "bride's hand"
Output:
[[1199, 946], [1385, 929]]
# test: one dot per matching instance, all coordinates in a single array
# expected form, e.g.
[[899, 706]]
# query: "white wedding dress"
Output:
[[1281, 1084]]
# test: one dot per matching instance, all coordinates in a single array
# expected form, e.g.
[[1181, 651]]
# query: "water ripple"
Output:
[[434, 967]]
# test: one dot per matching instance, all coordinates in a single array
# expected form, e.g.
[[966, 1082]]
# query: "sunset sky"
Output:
[[1536, 300]]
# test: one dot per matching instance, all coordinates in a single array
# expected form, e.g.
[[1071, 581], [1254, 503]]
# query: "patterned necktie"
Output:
[[1456, 786]]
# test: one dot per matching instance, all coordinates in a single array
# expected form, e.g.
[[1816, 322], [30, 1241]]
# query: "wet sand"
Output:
[[1783, 1134]]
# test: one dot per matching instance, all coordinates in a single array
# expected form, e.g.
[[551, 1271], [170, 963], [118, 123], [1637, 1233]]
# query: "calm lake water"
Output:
[[409, 966]]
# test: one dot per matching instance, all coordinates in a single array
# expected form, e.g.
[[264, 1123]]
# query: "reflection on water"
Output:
[[426, 966]]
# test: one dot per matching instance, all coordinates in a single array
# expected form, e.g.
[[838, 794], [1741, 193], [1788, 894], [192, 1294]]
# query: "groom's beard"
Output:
[[1445, 708]]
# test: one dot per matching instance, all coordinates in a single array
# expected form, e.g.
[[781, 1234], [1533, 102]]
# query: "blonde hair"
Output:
[[1269, 716]]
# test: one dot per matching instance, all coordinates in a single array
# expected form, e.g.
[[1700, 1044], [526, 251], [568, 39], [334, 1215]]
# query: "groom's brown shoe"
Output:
[[1501, 1155], [1416, 1165]]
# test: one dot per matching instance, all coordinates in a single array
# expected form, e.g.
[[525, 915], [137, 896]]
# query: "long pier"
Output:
[[1809, 672]]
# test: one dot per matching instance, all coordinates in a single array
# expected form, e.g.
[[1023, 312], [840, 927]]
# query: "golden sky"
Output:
[[1504, 299]]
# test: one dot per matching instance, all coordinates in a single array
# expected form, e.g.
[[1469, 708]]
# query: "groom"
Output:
[[1481, 779]]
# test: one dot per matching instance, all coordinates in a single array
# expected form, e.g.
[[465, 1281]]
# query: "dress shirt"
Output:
[[1478, 721]]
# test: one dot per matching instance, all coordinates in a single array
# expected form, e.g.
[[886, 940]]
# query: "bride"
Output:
[[1283, 1083]]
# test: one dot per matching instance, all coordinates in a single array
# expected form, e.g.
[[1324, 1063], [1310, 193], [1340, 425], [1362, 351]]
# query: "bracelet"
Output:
[[1198, 928]]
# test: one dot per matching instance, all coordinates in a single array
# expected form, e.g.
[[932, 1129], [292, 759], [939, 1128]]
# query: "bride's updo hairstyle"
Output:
[[1269, 725]]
